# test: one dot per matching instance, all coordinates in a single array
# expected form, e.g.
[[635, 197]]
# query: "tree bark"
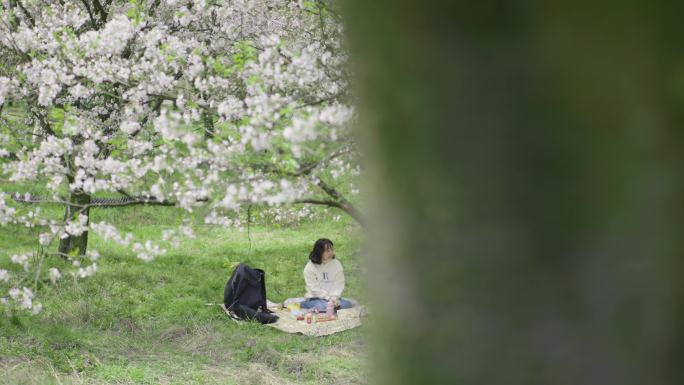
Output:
[[528, 190], [77, 243], [341, 202], [346, 207]]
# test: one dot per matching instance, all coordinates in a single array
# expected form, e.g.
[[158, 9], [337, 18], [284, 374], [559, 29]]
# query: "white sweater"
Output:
[[325, 280]]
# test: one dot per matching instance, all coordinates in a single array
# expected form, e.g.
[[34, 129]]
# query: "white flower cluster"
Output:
[[148, 251], [86, 272], [213, 218], [4, 88], [172, 235], [290, 215], [94, 255], [76, 227], [21, 259], [231, 108], [110, 233], [6, 213], [24, 298], [54, 274]]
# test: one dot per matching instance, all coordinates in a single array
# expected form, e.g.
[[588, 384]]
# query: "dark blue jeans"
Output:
[[321, 304]]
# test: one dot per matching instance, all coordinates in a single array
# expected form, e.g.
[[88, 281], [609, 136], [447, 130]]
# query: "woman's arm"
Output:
[[337, 282]]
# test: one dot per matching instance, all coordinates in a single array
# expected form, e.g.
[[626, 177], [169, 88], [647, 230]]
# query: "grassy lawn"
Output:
[[149, 323]]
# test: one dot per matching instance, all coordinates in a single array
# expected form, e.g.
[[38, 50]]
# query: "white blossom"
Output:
[[21, 259], [23, 297], [147, 251], [231, 108], [4, 88], [88, 271], [37, 308], [54, 274], [44, 239], [94, 255], [78, 226]]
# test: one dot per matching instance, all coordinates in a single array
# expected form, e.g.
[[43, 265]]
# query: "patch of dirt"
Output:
[[128, 326], [257, 373], [174, 334]]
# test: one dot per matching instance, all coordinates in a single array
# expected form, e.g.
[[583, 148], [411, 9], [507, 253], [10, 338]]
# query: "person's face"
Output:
[[328, 254]]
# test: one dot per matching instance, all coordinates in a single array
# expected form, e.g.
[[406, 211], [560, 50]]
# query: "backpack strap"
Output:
[[231, 314], [263, 307]]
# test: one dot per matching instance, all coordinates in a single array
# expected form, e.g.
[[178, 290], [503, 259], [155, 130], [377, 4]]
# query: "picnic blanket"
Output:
[[346, 319]]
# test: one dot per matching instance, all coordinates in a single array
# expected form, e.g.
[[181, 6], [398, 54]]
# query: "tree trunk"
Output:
[[528, 190], [80, 242]]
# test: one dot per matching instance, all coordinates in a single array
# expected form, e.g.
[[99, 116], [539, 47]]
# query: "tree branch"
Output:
[[322, 202], [101, 11], [155, 108], [308, 168], [345, 205], [153, 7], [44, 124], [26, 13], [320, 101], [304, 169], [90, 13]]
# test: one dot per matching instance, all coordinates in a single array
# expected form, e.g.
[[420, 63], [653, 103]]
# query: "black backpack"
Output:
[[245, 295]]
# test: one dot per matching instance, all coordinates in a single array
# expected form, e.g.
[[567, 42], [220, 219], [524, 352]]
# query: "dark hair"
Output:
[[319, 248]]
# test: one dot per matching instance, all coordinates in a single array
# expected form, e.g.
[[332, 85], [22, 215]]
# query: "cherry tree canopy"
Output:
[[186, 103]]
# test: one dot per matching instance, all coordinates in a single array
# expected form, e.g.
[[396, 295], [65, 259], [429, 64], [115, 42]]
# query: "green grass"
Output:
[[148, 323]]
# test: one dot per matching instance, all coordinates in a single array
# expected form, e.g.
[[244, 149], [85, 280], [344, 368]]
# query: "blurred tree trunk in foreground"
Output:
[[528, 169]]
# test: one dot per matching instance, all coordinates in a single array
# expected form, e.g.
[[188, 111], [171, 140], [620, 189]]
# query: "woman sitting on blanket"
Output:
[[324, 278]]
